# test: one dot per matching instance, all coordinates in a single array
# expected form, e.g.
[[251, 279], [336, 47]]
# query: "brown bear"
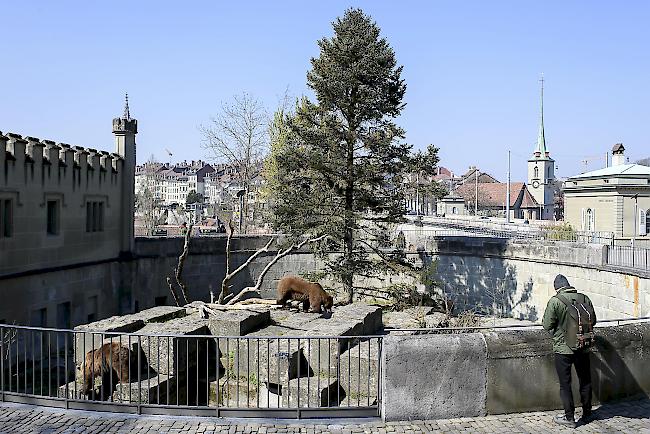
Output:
[[311, 294], [112, 362]]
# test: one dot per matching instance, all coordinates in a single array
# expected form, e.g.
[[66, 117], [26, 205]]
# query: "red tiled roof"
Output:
[[494, 194]]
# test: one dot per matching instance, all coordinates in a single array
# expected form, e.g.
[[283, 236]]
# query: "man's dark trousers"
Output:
[[563, 364]]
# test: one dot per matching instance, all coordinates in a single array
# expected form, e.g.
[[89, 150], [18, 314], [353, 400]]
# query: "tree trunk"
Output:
[[226, 279], [347, 276]]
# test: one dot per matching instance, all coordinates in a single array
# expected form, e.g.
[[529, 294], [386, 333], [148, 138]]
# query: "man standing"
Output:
[[556, 318]]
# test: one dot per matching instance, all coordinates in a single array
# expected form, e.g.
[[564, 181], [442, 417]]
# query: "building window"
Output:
[[454, 210], [647, 221], [94, 216], [92, 308], [6, 218], [52, 217], [536, 172], [63, 315], [39, 317], [589, 220]]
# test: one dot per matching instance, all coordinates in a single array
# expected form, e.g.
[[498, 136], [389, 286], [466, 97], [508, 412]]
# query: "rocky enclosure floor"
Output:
[[622, 417]]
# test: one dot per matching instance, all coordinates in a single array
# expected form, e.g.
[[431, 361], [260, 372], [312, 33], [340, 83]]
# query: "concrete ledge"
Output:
[[434, 376], [521, 370]]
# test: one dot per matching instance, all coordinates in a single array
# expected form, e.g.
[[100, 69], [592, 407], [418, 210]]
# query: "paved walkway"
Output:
[[623, 417]]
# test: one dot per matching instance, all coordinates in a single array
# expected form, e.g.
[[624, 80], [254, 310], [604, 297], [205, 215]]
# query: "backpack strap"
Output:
[[563, 299]]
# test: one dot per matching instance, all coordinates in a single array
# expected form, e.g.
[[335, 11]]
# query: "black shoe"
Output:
[[561, 419], [587, 416]]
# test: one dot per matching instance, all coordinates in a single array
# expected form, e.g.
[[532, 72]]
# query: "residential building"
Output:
[[172, 183]]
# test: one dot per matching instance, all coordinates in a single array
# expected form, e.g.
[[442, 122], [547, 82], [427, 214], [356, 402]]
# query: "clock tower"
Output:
[[541, 170]]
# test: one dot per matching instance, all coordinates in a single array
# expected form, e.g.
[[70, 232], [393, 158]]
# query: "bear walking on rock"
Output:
[[112, 362], [312, 295]]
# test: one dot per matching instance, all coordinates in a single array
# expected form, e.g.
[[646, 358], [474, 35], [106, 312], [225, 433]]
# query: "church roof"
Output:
[[626, 170]]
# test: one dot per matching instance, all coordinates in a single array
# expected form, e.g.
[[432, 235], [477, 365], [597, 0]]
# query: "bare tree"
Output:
[[281, 253], [147, 204], [238, 136], [178, 271]]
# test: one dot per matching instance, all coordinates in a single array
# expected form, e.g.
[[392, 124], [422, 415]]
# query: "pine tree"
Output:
[[340, 163]]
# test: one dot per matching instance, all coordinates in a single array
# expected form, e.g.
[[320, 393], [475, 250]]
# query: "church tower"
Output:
[[541, 170], [125, 128]]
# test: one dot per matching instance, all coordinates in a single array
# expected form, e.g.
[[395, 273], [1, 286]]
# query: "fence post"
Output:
[[2, 364]]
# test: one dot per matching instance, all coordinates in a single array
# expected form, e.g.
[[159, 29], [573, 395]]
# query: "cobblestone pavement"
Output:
[[624, 417]]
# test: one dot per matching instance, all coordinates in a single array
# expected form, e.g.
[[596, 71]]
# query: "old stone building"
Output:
[[63, 206], [614, 199]]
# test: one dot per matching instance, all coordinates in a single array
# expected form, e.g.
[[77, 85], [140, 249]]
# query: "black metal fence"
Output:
[[289, 377], [629, 257]]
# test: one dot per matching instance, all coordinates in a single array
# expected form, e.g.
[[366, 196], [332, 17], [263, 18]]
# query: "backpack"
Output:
[[578, 326]]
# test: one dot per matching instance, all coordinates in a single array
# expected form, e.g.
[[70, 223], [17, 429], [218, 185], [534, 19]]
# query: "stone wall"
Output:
[[509, 278], [516, 278], [477, 374], [84, 189]]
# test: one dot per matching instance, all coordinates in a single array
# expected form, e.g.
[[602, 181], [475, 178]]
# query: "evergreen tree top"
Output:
[[356, 72]]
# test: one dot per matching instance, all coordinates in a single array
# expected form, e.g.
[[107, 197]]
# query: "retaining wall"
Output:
[[505, 371], [514, 279]]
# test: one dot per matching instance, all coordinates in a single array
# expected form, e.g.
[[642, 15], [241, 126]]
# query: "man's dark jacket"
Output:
[[555, 318]]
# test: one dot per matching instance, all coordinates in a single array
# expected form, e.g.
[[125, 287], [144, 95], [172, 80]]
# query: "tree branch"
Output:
[[181, 263], [281, 254], [229, 275]]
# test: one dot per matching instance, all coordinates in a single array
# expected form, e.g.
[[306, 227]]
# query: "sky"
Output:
[[472, 71]]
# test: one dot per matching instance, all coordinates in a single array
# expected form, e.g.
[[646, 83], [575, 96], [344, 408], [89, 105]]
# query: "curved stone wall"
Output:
[[516, 278]]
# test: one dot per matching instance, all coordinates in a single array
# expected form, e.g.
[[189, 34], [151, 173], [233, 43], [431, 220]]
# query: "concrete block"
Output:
[[270, 360], [292, 319], [234, 393], [237, 322], [90, 336], [359, 372], [307, 392], [453, 368], [173, 355], [152, 390], [371, 315]]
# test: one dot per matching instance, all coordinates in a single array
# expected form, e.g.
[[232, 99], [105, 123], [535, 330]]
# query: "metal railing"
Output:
[[629, 257], [511, 231], [285, 377]]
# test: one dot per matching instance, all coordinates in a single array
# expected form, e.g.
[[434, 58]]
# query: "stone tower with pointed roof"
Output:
[[124, 129], [541, 169]]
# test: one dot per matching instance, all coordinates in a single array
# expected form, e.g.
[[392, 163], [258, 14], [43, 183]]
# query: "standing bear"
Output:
[[113, 363], [312, 294]]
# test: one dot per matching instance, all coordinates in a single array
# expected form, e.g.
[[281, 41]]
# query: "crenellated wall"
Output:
[[79, 188]]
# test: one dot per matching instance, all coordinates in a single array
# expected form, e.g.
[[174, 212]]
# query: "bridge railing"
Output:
[[241, 376], [629, 257]]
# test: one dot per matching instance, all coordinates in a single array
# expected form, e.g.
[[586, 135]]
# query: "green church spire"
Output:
[[540, 150]]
